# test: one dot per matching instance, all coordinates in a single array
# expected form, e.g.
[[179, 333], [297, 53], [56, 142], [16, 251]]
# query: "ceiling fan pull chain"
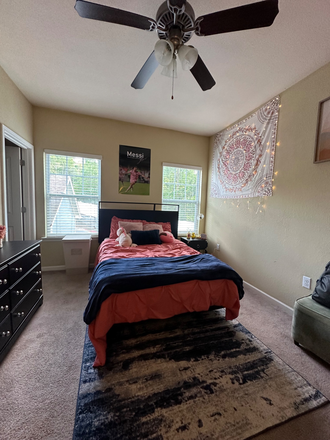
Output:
[[173, 83]]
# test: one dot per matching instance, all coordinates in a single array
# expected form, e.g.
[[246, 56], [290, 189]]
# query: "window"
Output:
[[73, 189], [182, 186]]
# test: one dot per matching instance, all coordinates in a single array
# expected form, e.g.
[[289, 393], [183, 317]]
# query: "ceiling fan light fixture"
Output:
[[188, 56], [171, 70], [164, 51]]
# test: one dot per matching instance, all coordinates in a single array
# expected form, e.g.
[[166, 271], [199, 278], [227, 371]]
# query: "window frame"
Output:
[[69, 154], [178, 202]]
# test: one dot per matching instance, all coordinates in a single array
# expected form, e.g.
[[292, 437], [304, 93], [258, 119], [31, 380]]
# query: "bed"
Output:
[[152, 280]]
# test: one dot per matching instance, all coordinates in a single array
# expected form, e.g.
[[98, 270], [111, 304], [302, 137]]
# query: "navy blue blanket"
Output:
[[123, 275]]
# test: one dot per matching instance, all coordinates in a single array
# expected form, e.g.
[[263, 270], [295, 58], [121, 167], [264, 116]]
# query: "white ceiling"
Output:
[[62, 61]]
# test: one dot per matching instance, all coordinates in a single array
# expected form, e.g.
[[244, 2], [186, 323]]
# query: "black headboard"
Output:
[[151, 212]]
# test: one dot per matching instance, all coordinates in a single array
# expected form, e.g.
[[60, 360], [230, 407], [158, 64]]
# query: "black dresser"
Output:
[[20, 289]]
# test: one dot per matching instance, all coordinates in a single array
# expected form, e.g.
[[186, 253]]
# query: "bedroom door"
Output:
[[14, 190]]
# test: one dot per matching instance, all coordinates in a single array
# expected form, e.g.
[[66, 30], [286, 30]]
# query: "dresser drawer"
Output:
[[199, 245], [21, 265], [23, 308], [4, 276], [20, 289], [23, 286], [5, 331], [4, 305]]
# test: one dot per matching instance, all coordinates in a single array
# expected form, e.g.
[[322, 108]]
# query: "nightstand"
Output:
[[196, 243]]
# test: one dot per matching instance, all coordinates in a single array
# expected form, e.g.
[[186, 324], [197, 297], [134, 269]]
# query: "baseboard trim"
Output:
[[58, 268], [270, 299], [52, 268]]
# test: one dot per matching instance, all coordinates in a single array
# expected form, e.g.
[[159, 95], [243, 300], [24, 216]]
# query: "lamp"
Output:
[[166, 53], [171, 69], [200, 217], [188, 56], [164, 50]]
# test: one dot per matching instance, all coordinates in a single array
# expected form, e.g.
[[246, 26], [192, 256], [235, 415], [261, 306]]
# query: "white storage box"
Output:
[[76, 250]]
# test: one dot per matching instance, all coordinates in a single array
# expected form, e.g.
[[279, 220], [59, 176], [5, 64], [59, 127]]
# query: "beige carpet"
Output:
[[39, 377]]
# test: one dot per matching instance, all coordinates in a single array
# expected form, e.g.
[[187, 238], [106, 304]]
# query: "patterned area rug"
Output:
[[195, 376]]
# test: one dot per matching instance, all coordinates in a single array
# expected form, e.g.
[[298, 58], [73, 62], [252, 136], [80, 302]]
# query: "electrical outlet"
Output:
[[306, 282], [217, 247]]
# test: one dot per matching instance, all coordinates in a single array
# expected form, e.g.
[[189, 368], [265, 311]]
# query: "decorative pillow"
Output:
[[129, 226], [145, 237], [166, 237], [166, 226], [114, 225], [153, 226]]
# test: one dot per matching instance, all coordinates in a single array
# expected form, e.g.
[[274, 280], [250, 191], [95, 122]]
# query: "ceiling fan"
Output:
[[175, 24]]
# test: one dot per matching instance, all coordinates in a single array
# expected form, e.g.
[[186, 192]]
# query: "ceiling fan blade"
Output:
[[202, 75], [254, 15], [113, 15], [145, 73]]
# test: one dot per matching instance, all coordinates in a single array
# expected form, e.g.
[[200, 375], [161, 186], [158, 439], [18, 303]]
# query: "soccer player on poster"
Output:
[[134, 175]]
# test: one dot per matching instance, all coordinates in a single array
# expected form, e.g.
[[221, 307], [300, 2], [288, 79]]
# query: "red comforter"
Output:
[[159, 302], [110, 248]]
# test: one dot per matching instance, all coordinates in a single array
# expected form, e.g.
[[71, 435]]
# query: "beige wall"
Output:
[[15, 113], [15, 110], [272, 251], [58, 130]]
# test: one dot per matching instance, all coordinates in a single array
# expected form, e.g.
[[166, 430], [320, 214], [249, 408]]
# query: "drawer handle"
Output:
[[3, 308], [4, 281], [18, 269], [4, 334], [20, 314], [37, 255], [39, 290], [37, 272], [19, 292]]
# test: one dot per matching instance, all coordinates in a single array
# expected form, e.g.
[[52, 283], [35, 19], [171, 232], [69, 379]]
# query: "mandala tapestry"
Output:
[[244, 154]]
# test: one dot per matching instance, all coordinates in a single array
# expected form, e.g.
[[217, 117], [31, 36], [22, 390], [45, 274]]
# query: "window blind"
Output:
[[72, 194], [182, 186]]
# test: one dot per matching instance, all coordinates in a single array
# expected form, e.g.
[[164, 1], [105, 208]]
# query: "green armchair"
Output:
[[311, 326]]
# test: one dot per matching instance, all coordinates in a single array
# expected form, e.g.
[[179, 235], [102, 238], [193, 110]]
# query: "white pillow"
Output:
[[130, 226], [152, 226]]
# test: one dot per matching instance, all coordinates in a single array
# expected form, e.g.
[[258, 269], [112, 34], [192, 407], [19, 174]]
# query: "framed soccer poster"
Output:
[[134, 170]]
